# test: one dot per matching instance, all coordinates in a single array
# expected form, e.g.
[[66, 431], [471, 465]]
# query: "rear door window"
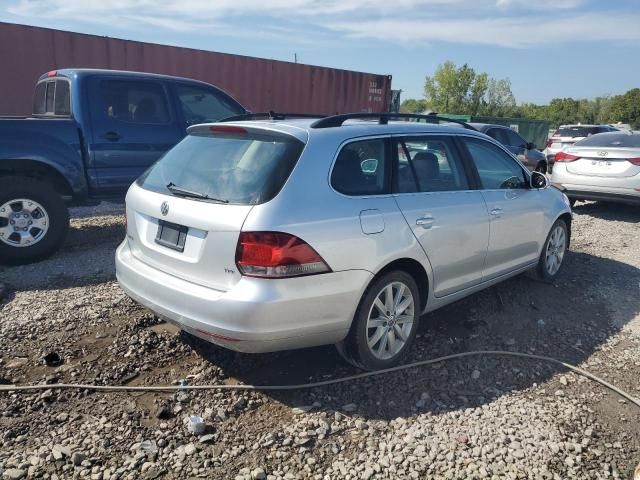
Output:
[[200, 105], [239, 168], [133, 101], [362, 168], [513, 139], [497, 169], [577, 131], [429, 164]]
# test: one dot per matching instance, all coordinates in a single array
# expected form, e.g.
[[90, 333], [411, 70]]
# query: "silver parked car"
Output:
[[567, 135], [602, 167], [280, 234]]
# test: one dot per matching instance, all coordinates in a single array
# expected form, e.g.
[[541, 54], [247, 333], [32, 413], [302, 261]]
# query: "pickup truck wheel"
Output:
[[33, 220]]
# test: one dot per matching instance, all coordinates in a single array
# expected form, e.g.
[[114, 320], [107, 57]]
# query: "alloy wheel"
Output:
[[556, 247], [23, 222], [390, 320]]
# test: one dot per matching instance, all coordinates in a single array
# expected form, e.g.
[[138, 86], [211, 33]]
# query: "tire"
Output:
[[370, 322], [555, 246], [37, 205]]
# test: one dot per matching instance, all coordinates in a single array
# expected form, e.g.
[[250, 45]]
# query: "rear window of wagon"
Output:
[[239, 168]]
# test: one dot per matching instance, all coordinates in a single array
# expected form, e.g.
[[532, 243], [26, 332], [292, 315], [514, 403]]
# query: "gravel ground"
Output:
[[477, 418]]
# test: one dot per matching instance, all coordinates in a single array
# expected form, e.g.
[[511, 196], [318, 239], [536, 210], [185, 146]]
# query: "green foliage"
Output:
[[460, 90]]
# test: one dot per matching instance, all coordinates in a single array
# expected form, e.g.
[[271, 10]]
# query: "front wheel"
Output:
[[385, 323], [33, 220], [553, 251]]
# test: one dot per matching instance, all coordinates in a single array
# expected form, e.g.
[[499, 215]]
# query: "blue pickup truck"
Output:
[[91, 134]]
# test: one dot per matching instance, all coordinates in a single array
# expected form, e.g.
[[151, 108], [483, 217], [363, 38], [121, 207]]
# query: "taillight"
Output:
[[635, 161], [565, 157], [228, 129], [549, 142], [277, 255]]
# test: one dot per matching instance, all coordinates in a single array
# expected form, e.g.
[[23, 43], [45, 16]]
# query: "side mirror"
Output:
[[539, 180], [530, 146]]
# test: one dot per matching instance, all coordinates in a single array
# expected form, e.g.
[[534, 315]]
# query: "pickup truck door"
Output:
[[132, 126]]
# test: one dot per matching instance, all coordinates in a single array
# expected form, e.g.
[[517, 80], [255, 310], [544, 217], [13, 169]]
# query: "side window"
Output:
[[133, 102], [204, 105], [429, 164], [361, 168], [496, 168], [498, 135], [514, 139]]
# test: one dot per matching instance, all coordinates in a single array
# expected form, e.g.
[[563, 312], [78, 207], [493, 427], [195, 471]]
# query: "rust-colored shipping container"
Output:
[[259, 84]]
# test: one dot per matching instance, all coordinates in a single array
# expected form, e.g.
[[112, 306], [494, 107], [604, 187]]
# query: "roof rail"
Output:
[[270, 115], [383, 119]]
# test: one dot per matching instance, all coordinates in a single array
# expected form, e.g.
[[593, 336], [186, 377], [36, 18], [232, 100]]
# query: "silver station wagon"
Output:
[[282, 233]]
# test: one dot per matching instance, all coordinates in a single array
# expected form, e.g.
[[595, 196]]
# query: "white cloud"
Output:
[[506, 23]]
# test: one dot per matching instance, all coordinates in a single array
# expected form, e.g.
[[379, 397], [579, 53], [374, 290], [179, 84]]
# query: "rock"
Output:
[[77, 458], [14, 474], [361, 424], [350, 407], [163, 411], [367, 474], [190, 449], [258, 474], [519, 453], [208, 438], [59, 452], [475, 374], [301, 409], [563, 381]]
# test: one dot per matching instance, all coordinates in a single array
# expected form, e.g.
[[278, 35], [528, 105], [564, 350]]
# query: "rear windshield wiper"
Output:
[[183, 192]]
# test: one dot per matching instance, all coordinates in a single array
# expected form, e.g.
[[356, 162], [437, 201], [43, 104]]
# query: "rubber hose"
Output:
[[301, 386]]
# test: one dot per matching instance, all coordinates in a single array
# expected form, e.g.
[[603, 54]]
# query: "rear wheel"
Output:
[[553, 251], [33, 220], [385, 323]]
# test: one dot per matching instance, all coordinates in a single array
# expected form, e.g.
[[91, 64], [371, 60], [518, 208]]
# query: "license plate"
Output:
[[171, 235]]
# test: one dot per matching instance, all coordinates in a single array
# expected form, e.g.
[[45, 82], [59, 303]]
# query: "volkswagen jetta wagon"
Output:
[[282, 233]]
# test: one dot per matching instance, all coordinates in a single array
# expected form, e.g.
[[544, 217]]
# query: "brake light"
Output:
[[635, 161], [277, 255], [228, 129], [565, 157], [52, 73]]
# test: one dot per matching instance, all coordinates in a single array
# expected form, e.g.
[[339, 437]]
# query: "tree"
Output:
[[461, 90], [626, 108], [413, 105]]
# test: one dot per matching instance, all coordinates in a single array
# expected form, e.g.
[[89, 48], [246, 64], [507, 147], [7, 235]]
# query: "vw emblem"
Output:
[[164, 208], [603, 154]]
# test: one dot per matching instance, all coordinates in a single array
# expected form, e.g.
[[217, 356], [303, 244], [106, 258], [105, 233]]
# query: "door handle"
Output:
[[112, 136], [496, 212], [426, 221]]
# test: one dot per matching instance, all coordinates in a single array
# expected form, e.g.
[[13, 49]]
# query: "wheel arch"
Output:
[[414, 268], [39, 171], [567, 218]]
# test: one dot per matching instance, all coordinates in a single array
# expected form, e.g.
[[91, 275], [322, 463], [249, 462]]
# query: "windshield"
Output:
[[236, 168], [611, 140]]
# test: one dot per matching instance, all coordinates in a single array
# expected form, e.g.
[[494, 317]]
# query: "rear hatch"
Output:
[[186, 212], [603, 162]]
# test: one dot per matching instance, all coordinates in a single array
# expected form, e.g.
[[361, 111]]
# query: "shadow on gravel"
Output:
[[567, 320], [609, 211]]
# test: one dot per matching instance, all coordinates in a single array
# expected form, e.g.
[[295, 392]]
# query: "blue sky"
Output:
[[547, 48]]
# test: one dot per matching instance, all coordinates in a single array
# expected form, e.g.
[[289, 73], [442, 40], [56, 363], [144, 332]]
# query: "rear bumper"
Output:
[[585, 187], [256, 315]]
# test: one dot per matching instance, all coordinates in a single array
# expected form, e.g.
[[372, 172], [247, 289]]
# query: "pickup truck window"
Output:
[[52, 97], [133, 101], [201, 105]]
